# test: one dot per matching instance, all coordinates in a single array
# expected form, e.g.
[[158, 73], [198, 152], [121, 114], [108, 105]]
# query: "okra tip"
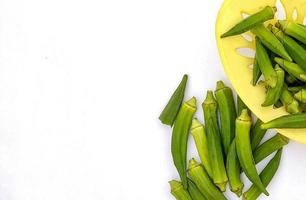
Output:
[[238, 191], [192, 102], [175, 185], [220, 85], [244, 116], [221, 186], [209, 97], [196, 124]]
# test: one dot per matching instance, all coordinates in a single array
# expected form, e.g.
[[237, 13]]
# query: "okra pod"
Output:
[[287, 121], [296, 51], [178, 191], [172, 108], [270, 41], [293, 29], [256, 72], [257, 134], [203, 182], [241, 106], [301, 95], [290, 79], [273, 94], [214, 141], [194, 191], [296, 88], [292, 106], [292, 68], [266, 176], [233, 170], [251, 21], [180, 137], [199, 136], [273, 144], [244, 150], [227, 109], [265, 65]]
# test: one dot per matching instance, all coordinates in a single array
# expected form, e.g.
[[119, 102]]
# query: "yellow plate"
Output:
[[237, 66]]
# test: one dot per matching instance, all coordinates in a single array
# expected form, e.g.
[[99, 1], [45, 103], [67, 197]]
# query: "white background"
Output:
[[81, 86]]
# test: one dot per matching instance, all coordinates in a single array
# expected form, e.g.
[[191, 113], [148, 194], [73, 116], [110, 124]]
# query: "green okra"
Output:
[[256, 72], [265, 65], [287, 121], [290, 79], [292, 68], [273, 94], [293, 29], [301, 95], [251, 21], [172, 108], [214, 141], [292, 106], [266, 176], [296, 51], [273, 144], [244, 150], [296, 88], [180, 137], [199, 136], [257, 134], [203, 182], [227, 109], [194, 191], [278, 104], [270, 41], [178, 191], [241, 106], [233, 170]]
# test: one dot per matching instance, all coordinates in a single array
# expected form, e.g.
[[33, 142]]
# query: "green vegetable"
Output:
[[199, 136], [214, 141], [256, 72], [203, 182], [226, 105], [273, 94], [266, 176], [301, 95], [244, 150], [273, 144], [290, 79], [291, 105], [278, 104], [251, 21], [296, 88], [178, 191], [180, 137], [194, 191], [292, 68], [293, 29], [287, 121], [265, 65], [296, 51], [172, 108], [270, 41], [257, 134], [233, 170], [241, 106]]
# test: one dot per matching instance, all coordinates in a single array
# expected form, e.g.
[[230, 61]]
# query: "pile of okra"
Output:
[[228, 144], [280, 58]]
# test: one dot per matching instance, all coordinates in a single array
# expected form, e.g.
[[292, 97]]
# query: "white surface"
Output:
[[81, 86]]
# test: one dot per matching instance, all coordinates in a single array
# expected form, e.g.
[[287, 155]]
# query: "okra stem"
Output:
[[291, 105], [199, 136], [180, 137], [178, 191], [244, 150], [293, 29], [172, 108], [203, 182], [226, 105], [268, 147], [266, 176]]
